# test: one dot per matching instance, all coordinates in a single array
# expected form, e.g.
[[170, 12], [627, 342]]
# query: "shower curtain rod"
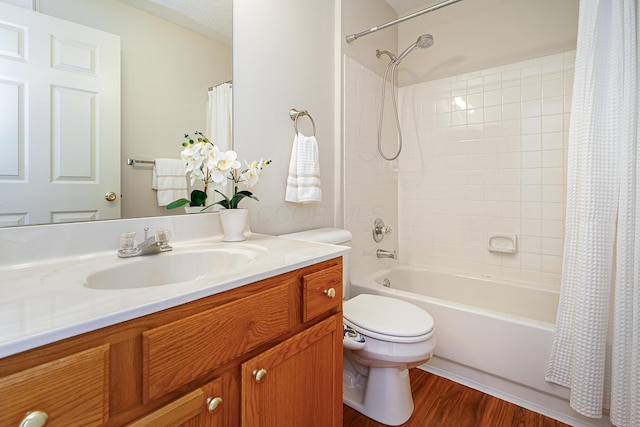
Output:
[[352, 37], [220, 84]]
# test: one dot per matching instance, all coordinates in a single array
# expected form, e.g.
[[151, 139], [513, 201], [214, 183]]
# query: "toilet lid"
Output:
[[387, 316]]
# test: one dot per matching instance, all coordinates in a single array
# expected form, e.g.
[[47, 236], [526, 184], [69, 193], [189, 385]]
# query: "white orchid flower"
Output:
[[250, 175], [213, 165], [228, 160], [213, 156]]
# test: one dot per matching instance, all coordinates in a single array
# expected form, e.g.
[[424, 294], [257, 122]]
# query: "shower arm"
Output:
[[353, 37]]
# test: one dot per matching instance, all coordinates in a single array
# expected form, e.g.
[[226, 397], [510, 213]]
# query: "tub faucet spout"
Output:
[[381, 253]]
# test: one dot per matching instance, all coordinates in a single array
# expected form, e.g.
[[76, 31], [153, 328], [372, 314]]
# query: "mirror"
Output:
[[169, 59]]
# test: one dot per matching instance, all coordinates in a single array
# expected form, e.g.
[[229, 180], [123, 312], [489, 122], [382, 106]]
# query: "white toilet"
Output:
[[383, 338]]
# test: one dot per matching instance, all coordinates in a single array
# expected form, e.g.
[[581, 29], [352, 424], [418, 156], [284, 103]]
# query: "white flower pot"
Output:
[[193, 209], [197, 209], [233, 224]]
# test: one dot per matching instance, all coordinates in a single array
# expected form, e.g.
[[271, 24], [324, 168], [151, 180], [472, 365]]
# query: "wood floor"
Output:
[[440, 402]]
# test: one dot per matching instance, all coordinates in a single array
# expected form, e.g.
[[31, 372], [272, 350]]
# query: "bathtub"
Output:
[[491, 335]]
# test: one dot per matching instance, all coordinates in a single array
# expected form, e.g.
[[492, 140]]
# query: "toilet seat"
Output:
[[387, 319]]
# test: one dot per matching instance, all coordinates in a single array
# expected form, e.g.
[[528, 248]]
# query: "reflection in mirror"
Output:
[[166, 70]]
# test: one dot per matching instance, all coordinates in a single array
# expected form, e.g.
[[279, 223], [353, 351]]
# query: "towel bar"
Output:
[[133, 162], [296, 114]]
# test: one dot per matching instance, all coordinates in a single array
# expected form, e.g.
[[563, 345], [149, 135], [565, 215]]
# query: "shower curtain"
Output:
[[596, 349], [220, 124], [220, 116]]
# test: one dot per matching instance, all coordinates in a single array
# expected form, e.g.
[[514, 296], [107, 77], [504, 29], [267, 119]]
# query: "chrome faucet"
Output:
[[381, 253], [151, 245]]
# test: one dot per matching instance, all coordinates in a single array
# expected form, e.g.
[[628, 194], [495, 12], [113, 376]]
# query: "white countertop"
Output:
[[44, 302]]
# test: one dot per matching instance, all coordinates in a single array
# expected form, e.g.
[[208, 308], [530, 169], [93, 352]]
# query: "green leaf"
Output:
[[237, 198], [198, 198], [178, 203], [224, 203]]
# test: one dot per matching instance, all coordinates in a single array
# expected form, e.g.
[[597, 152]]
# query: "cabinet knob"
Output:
[[259, 374], [213, 403], [331, 292], [34, 419]]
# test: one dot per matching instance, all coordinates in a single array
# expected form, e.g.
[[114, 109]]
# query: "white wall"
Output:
[[370, 183], [166, 71], [284, 57]]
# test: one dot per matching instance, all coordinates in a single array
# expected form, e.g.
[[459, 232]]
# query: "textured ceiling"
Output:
[[211, 18]]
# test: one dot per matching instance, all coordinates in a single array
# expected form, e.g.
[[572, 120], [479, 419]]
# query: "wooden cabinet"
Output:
[[179, 352], [264, 354], [299, 380], [72, 391]]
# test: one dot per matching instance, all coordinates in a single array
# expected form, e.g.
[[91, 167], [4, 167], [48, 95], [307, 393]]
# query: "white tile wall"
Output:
[[371, 183], [485, 153]]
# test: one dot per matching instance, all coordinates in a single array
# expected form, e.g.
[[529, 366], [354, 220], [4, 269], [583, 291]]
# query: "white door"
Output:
[[59, 120]]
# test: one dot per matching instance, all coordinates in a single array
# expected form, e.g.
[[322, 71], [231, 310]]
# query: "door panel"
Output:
[[60, 128]]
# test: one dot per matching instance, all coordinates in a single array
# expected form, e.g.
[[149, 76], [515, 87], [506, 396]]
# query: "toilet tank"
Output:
[[331, 235]]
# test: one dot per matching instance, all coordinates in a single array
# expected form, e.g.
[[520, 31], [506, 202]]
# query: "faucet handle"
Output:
[[163, 235], [127, 242], [380, 230]]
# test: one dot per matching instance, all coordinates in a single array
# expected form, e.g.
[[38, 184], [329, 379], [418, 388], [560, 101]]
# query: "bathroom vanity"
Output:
[[264, 350]]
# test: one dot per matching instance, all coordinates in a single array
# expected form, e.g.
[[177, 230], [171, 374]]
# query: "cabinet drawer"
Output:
[[73, 390], [190, 410], [317, 294], [181, 351], [176, 413]]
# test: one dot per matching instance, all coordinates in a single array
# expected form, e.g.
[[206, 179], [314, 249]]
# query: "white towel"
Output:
[[170, 180], [303, 182]]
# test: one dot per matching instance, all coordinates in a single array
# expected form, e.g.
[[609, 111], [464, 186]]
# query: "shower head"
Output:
[[423, 42]]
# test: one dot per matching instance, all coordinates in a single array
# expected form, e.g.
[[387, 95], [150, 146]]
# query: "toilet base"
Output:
[[383, 395]]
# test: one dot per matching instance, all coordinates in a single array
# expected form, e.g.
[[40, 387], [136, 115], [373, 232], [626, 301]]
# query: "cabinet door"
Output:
[[297, 382]]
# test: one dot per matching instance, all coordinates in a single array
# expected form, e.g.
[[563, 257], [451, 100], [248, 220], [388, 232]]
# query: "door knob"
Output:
[[110, 196]]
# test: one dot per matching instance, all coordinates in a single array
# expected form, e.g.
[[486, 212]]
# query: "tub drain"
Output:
[[386, 283]]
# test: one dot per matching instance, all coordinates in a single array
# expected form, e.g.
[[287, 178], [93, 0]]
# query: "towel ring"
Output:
[[296, 114]]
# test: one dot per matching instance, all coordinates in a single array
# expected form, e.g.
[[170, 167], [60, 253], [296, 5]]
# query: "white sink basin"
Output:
[[170, 267]]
